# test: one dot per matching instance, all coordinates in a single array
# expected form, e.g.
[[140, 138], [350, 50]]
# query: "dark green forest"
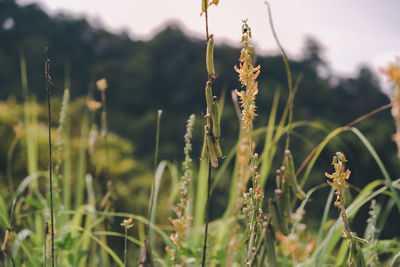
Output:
[[168, 73]]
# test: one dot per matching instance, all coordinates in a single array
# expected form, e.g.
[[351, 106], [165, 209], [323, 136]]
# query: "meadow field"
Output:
[[178, 152]]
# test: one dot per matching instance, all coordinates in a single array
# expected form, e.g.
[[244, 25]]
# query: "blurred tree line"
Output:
[[168, 72]]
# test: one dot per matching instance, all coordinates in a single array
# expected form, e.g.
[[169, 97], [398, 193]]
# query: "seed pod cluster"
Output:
[[212, 132]]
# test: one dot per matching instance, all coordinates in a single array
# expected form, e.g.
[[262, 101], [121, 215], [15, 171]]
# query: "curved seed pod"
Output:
[[208, 120], [210, 56], [203, 5], [204, 152], [291, 175], [277, 218], [278, 179], [209, 98], [214, 116], [270, 242], [211, 151], [216, 2], [218, 149], [287, 209]]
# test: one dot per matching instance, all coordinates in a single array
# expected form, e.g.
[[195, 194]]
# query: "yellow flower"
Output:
[[339, 177], [93, 105], [127, 223], [102, 84], [393, 73]]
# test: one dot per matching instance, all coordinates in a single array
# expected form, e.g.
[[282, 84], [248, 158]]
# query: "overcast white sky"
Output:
[[352, 32]]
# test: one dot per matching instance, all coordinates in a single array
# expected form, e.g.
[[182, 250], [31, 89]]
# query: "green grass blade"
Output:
[[378, 161], [139, 218], [153, 205], [397, 256], [266, 159], [3, 213], [318, 151], [67, 158], [325, 215], [102, 245], [81, 170]]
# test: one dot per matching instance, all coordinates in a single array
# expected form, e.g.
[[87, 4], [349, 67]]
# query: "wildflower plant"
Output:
[[339, 183], [126, 223], [180, 224], [211, 146]]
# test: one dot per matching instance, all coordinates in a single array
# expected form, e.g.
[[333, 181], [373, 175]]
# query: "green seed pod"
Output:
[[216, 2], [218, 148], [270, 243], [203, 5], [204, 152], [278, 179], [291, 175], [209, 98], [277, 218], [214, 116], [210, 56], [287, 209], [211, 151]]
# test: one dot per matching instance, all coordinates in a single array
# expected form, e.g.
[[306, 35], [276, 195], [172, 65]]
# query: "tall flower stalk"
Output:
[[339, 183], [253, 199], [211, 147]]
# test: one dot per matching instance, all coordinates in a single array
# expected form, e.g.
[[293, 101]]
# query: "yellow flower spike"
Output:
[[247, 77]]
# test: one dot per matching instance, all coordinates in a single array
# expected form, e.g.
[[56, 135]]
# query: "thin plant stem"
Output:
[[125, 245], [104, 131], [10, 153], [288, 73], [203, 261], [159, 113], [204, 256], [46, 230], [48, 81]]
